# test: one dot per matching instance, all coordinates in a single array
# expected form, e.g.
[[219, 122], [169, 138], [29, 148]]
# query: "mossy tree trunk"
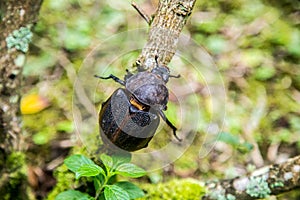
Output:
[[14, 15]]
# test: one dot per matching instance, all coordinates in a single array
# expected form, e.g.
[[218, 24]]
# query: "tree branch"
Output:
[[165, 29], [141, 12], [271, 180]]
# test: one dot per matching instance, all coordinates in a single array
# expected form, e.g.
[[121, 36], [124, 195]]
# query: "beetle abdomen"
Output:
[[123, 126]]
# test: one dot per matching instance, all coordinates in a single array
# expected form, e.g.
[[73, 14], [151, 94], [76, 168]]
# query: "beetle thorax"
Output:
[[148, 88]]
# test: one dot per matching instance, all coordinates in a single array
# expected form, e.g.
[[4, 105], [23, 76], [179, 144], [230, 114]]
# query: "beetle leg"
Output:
[[175, 76], [170, 125], [128, 75], [112, 77]]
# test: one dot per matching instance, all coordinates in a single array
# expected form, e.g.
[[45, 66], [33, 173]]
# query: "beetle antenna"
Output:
[[111, 77], [170, 125]]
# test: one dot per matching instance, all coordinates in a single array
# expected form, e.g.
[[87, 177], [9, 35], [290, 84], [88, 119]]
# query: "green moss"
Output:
[[42, 126], [19, 39], [15, 179], [15, 161], [187, 189], [65, 180]]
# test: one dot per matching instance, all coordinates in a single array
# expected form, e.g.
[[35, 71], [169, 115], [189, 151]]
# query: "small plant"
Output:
[[102, 178]]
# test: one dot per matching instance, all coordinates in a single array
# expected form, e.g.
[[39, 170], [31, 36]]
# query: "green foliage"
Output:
[[234, 141], [187, 189], [65, 179], [73, 194], [15, 166], [19, 39], [85, 167], [115, 192], [258, 187]]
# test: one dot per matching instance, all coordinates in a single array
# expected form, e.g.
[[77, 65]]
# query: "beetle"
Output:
[[131, 115]]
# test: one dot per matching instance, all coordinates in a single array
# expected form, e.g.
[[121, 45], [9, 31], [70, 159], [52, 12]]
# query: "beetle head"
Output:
[[163, 72]]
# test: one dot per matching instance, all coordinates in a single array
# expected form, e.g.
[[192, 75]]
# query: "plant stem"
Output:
[[107, 176]]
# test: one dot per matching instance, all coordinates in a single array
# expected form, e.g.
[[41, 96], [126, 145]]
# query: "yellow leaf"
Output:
[[33, 103]]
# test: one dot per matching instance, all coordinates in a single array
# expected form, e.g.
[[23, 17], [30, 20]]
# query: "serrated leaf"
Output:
[[120, 159], [130, 170], [132, 190], [106, 160], [73, 195], [114, 192], [88, 170], [74, 162]]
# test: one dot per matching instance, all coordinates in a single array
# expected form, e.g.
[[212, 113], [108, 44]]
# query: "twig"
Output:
[[141, 12], [166, 26]]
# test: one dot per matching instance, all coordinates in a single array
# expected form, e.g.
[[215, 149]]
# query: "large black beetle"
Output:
[[130, 117]]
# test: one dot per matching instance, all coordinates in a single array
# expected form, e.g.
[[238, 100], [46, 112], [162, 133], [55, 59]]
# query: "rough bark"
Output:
[[14, 14], [165, 28], [270, 180]]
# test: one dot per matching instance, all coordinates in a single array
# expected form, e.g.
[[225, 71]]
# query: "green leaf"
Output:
[[264, 73], [132, 190], [98, 181], [88, 170], [114, 192], [120, 159], [82, 166], [65, 126], [74, 162], [130, 170], [73, 195], [107, 160], [229, 139], [245, 147]]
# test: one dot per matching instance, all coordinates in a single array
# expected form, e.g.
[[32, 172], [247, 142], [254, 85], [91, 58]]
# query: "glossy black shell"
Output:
[[123, 125]]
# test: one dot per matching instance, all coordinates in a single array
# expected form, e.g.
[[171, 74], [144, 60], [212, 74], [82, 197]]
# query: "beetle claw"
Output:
[[174, 130], [179, 139], [170, 125]]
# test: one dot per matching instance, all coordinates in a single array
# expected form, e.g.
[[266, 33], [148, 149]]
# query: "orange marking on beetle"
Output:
[[137, 104]]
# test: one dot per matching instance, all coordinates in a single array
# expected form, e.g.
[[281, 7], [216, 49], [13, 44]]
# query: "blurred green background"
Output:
[[254, 44]]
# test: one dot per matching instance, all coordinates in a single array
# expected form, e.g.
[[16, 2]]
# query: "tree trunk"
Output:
[[16, 17]]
